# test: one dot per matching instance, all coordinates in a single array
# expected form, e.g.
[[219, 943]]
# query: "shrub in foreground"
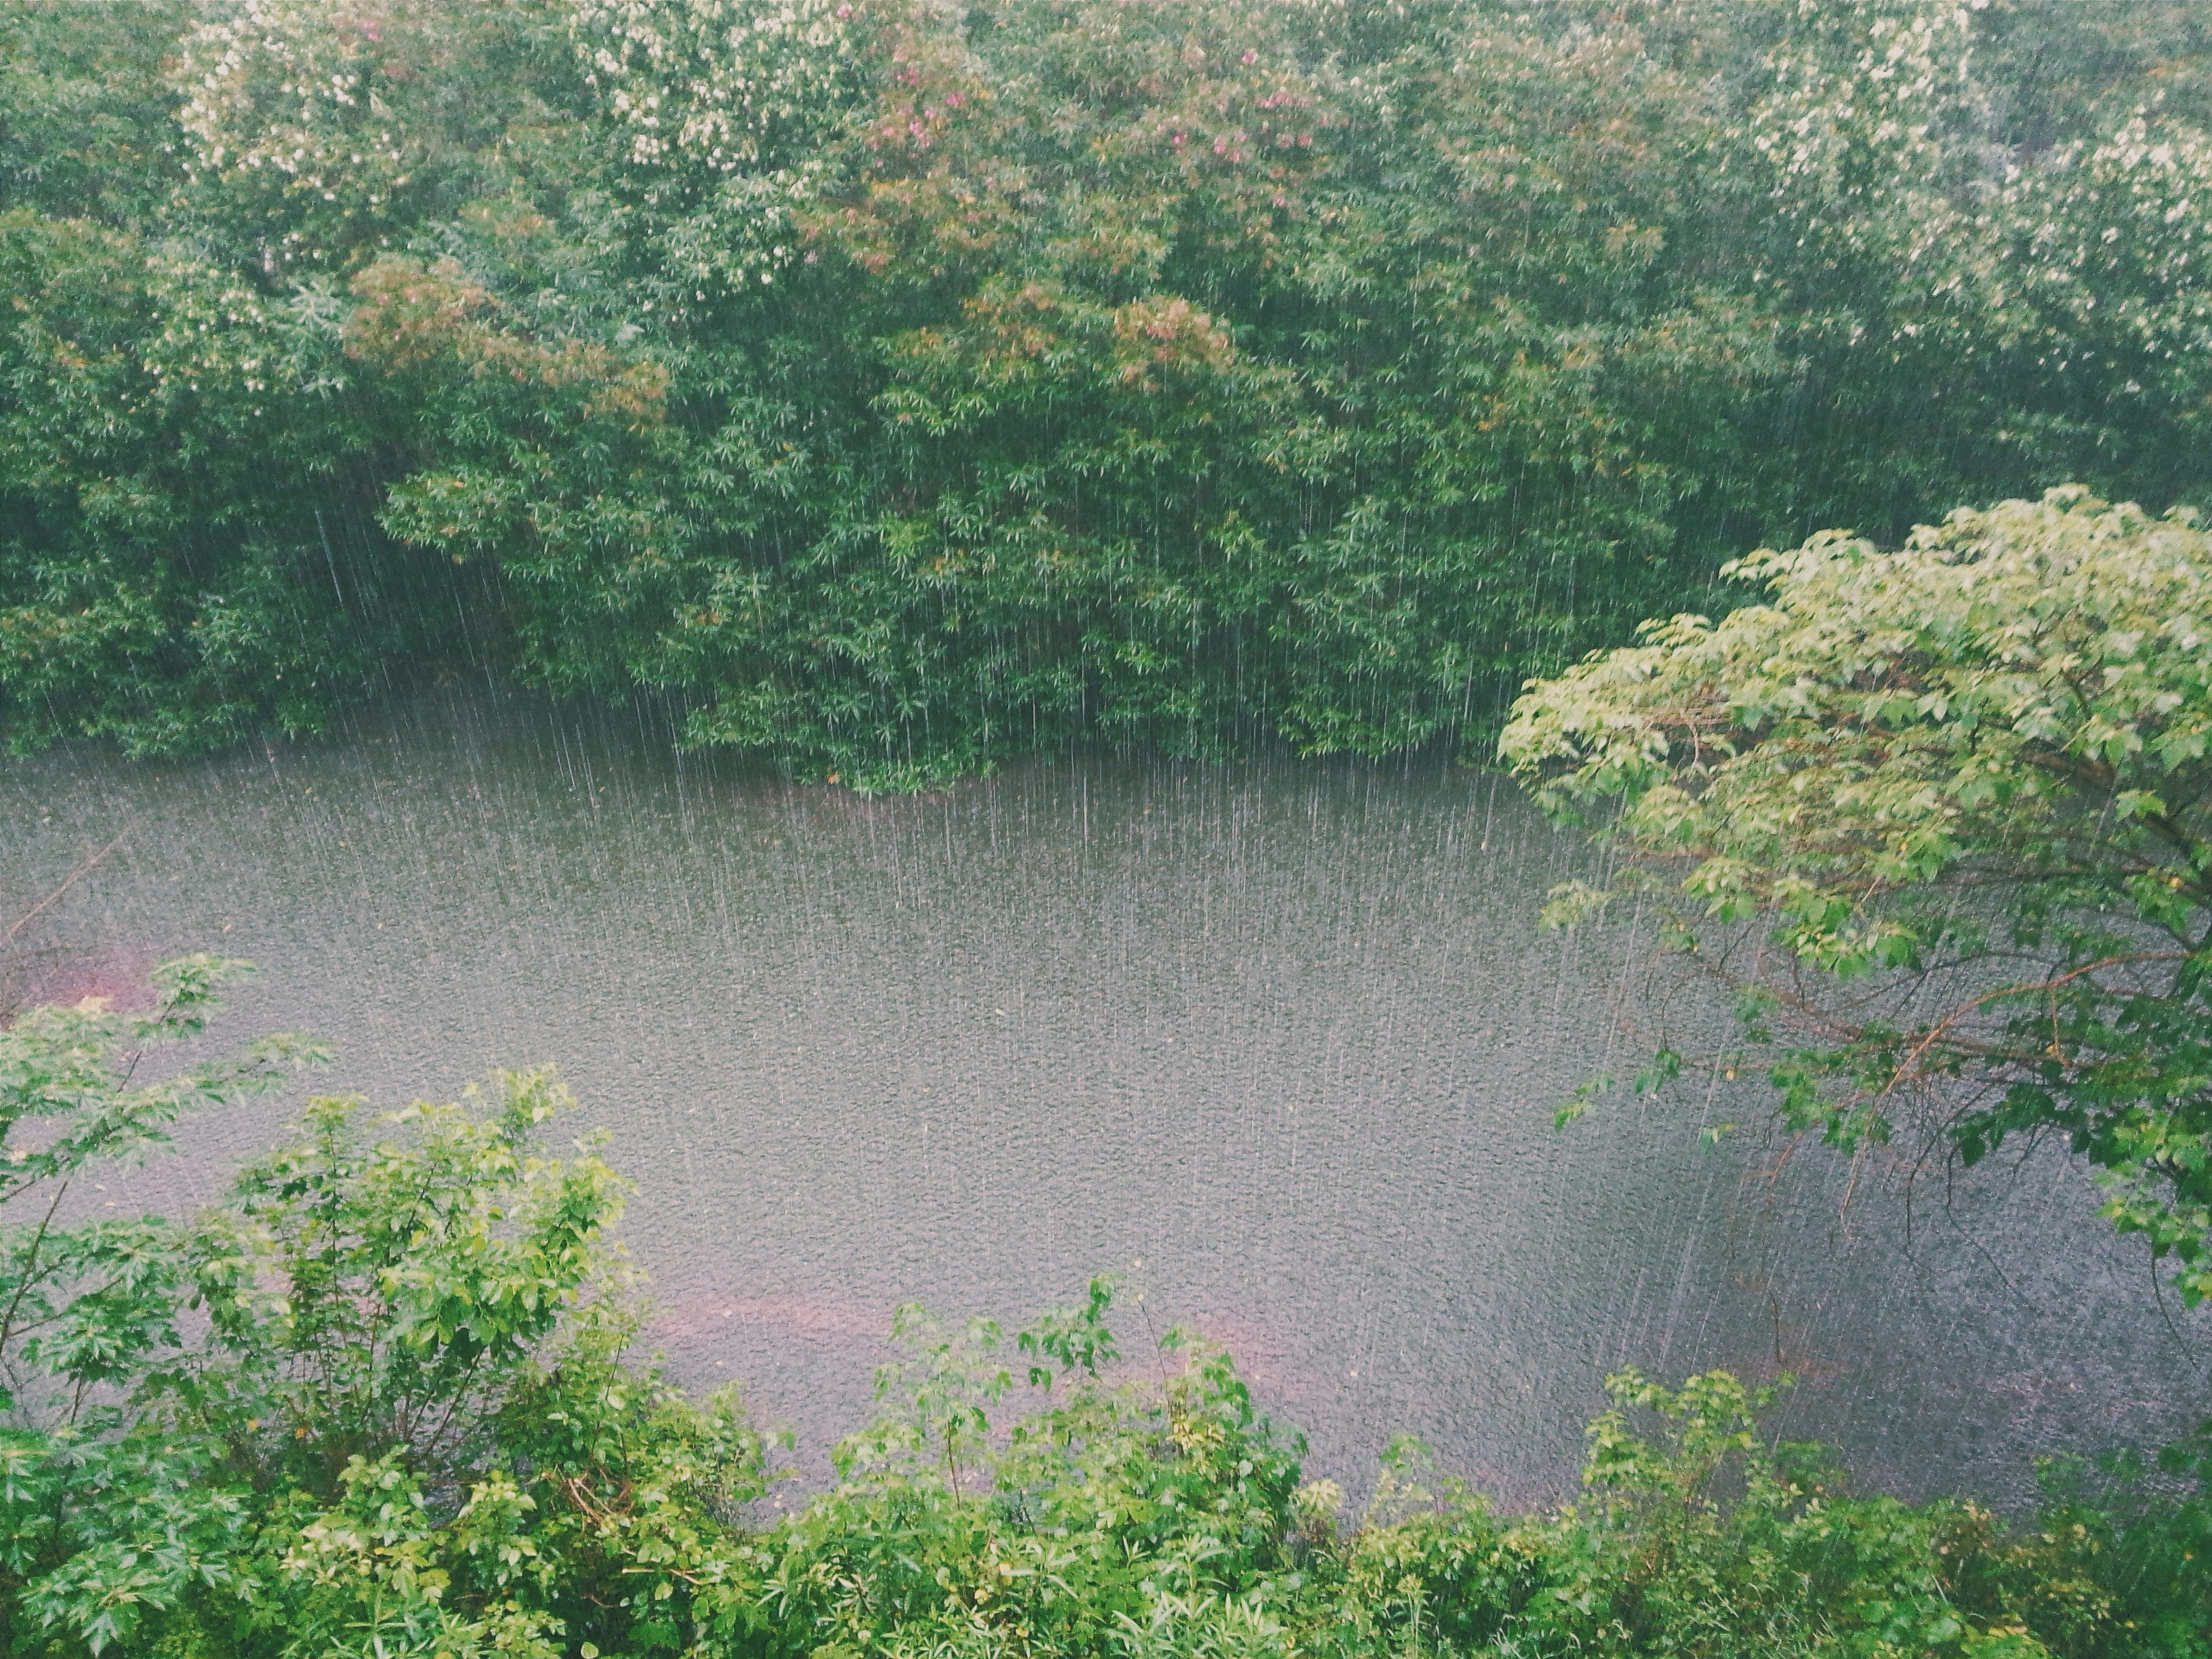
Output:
[[381, 1401]]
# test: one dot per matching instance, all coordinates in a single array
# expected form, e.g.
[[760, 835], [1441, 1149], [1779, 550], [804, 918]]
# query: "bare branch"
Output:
[[68, 882]]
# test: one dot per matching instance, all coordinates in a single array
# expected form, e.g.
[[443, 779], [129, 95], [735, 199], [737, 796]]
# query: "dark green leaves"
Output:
[[907, 389]]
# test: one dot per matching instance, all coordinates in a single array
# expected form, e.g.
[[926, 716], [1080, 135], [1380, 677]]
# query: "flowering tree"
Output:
[[2023, 298]]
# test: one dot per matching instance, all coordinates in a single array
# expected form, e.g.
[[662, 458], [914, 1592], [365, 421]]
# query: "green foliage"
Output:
[[1945, 809], [375, 1403], [84, 116], [1078, 1526], [85, 1306], [89, 1310], [381, 1401], [902, 388]]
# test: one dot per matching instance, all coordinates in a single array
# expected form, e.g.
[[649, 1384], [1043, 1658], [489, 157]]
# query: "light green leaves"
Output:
[[1950, 807], [1571, 903], [105, 1525]]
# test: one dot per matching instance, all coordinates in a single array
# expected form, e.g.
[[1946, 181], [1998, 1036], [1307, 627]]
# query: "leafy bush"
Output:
[[381, 1402]]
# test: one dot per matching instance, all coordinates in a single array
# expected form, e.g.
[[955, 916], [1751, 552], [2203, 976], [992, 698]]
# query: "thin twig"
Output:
[[51, 899]]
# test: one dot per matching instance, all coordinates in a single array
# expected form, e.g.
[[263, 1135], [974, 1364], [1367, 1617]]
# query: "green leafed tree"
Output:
[[374, 1402], [1940, 816]]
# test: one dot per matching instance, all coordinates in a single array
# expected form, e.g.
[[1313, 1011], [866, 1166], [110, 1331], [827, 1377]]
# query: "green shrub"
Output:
[[381, 1401]]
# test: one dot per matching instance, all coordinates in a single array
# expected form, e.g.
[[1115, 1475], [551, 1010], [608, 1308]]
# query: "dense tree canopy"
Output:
[[898, 388]]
